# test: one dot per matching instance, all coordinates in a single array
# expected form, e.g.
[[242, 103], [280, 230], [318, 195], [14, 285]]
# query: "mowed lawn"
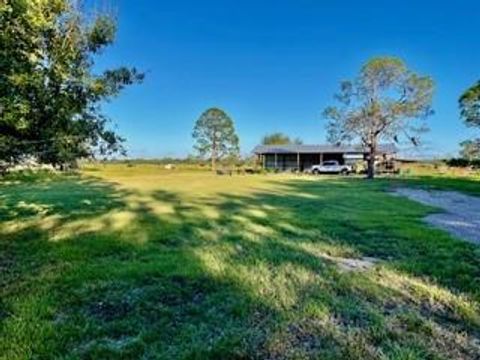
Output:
[[141, 263]]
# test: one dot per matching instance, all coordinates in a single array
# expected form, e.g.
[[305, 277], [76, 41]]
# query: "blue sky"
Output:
[[275, 65]]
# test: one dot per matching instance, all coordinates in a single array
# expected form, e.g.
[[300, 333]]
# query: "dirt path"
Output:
[[461, 216]]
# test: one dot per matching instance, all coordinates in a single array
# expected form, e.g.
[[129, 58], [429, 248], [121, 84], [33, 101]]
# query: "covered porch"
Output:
[[298, 161]]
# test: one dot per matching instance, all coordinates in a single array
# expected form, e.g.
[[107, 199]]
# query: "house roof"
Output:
[[315, 149]]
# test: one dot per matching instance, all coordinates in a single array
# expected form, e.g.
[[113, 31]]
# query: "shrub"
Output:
[[460, 162]]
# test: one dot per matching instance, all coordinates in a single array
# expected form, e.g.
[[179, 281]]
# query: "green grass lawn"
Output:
[[140, 263]]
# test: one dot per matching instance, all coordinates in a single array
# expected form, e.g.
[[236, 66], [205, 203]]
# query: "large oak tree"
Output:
[[470, 113], [470, 149], [50, 96], [384, 102]]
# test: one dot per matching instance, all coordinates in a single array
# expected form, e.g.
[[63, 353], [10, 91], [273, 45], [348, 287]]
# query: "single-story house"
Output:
[[303, 157]]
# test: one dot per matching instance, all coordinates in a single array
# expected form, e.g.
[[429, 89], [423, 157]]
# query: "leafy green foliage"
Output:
[[463, 162], [470, 149], [215, 137], [50, 98], [279, 138], [470, 112], [470, 105], [385, 101]]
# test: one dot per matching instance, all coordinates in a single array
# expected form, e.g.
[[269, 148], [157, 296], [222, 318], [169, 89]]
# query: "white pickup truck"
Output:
[[331, 167]]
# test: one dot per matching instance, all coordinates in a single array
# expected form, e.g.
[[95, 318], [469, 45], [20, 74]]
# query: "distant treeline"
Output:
[[159, 161], [191, 160]]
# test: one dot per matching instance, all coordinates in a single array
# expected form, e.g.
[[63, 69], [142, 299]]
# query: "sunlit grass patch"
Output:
[[432, 298]]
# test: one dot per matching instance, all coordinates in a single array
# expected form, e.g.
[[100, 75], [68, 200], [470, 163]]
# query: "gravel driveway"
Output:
[[461, 216]]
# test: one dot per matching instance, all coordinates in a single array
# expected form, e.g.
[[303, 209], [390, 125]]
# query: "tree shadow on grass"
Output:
[[27, 209], [234, 276], [109, 291]]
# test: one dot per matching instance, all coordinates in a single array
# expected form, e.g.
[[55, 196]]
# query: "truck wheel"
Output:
[[315, 172], [344, 172]]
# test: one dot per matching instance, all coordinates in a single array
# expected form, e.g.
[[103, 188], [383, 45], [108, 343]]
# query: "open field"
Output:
[[141, 263]]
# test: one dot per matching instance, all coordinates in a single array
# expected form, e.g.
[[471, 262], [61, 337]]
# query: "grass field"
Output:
[[140, 263]]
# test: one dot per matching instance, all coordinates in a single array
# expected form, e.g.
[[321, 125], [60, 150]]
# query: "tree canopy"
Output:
[[50, 97], [215, 137], [470, 105], [470, 112], [384, 102], [470, 149], [279, 138]]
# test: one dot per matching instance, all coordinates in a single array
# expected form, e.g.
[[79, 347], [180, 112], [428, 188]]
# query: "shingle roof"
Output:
[[315, 149]]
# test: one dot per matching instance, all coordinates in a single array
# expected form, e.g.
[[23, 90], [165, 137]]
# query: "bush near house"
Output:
[[460, 162]]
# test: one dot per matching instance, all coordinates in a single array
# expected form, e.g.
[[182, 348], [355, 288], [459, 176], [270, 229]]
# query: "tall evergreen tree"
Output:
[[215, 137]]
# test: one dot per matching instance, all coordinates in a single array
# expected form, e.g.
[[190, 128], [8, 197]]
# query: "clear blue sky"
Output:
[[274, 65]]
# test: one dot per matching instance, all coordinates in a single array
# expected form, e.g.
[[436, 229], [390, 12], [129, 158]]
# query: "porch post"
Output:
[[264, 161], [298, 162], [276, 166], [321, 158]]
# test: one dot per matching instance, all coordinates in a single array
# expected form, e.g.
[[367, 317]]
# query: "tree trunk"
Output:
[[371, 161], [213, 163], [214, 155]]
